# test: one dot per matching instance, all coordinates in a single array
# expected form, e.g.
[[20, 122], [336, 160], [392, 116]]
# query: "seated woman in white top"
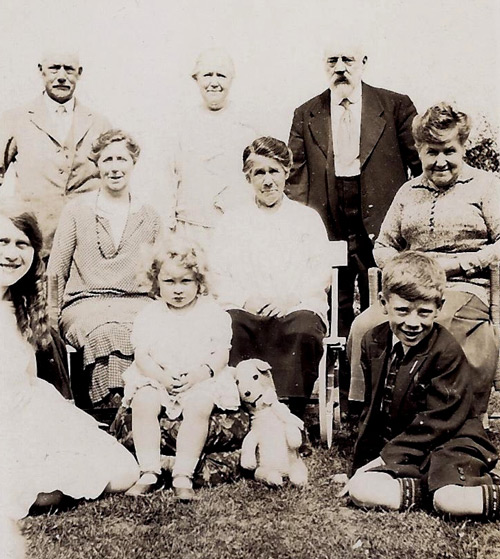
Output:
[[271, 272]]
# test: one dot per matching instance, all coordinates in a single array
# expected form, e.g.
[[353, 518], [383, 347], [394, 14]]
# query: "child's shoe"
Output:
[[148, 482], [183, 489]]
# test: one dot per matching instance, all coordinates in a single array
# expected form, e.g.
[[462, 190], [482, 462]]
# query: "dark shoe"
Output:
[[305, 449]]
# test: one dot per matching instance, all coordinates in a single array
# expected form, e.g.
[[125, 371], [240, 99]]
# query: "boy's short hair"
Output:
[[414, 275]]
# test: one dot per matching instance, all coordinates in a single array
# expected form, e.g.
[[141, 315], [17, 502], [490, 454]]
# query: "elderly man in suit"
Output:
[[49, 142], [352, 148]]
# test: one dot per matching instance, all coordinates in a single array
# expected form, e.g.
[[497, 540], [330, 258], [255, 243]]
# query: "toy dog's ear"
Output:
[[262, 366]]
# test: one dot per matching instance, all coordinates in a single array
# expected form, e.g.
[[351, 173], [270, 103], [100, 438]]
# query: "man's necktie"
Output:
[[396, 358], [347, 141], [62, 123]]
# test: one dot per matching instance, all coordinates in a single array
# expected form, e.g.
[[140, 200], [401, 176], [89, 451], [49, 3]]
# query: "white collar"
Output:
[[52, 105], [396, 340]]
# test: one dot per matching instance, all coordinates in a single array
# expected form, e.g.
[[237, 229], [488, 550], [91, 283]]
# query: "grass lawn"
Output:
[[248, 520]]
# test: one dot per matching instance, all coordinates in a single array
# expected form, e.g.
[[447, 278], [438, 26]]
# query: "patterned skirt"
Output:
[[220, 461], [102, 327]]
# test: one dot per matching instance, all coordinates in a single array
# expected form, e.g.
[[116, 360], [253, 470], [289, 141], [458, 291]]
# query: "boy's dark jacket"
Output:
[[432, 402]]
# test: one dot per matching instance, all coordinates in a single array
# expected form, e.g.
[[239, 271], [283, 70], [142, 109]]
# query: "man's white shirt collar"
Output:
[[52, 105]]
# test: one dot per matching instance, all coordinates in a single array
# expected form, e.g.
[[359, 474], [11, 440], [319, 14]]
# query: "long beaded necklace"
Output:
[[99, 227]]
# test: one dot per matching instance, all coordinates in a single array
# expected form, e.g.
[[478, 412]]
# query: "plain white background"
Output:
[[138, 56]]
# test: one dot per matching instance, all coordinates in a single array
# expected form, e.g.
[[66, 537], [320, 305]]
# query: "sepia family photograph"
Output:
[[249, 279]]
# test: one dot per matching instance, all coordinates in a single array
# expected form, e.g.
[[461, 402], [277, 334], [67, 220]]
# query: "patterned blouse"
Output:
[[462, 221], [84, 260]]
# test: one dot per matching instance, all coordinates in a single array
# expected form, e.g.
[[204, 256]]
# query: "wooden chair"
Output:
[[333, 345], [329, 401], [79, 385]]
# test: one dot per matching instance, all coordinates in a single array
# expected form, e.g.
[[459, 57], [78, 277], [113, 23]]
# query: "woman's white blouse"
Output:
[[279, 256]]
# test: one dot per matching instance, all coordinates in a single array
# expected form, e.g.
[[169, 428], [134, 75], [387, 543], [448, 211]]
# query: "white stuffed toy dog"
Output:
[[275, 434]]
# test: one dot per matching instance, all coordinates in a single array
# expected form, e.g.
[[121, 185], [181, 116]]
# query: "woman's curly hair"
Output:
[[111, 136], [28, 294], [438, 122], [176, 248]]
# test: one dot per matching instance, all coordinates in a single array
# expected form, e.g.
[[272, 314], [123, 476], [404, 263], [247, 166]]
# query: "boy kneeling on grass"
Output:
[[419, 437]]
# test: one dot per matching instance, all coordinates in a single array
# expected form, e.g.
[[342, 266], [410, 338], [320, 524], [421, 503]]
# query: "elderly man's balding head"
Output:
[[60, 71], [214, 72]]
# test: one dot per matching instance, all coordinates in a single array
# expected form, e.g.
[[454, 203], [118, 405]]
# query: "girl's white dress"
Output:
[[181, 342], [46, 443]]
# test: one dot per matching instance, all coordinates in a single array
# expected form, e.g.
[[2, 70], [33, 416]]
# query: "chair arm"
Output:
[[495, 294], [374, 284], [53, 301]]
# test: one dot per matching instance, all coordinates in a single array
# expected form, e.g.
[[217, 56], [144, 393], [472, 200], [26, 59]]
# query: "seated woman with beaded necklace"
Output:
[[93, 266]]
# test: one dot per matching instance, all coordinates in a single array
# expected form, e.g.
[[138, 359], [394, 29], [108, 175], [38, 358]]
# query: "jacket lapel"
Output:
[[82, 121], [377, 353], [408, 372], [320, 122], [372, 122], [378, 356], [40, 118]]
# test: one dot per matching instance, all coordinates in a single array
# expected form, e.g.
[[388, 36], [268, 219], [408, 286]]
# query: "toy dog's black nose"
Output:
[[247, 393]]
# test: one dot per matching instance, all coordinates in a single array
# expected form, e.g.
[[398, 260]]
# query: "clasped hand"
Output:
[[263, 307], [185, 380]]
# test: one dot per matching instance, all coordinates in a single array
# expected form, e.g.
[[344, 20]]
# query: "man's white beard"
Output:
[[342, 90]]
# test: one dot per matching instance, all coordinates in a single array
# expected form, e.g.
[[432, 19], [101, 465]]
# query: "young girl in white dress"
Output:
[[48, 447], [182, 341]]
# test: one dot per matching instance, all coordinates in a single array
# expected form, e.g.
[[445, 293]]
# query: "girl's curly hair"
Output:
[[176, 248], [28, 294]]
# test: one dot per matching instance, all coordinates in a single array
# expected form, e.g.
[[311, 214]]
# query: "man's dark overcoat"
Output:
[[387, 151]]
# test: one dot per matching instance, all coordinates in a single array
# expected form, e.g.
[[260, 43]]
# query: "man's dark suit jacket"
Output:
[[386, 153], [432, 407]]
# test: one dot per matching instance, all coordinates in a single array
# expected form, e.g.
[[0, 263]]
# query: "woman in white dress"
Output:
[[48, 447]]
